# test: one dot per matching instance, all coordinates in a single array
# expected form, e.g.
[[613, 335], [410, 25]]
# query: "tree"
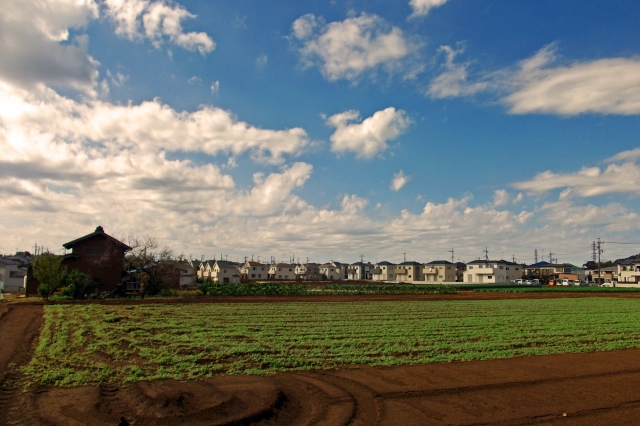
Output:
[[154, 268], [75, 283], [48, 269]]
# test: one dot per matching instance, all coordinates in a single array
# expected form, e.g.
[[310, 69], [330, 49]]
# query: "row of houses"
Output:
[[101, 257], [439, 271]]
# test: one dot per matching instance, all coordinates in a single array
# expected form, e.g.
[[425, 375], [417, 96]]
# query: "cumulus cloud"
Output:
[[422, 7], [156, 21], [367, 137], [453, 82], [215, 87], [399, 180], [347, 49], [587, 182], [32, 34]]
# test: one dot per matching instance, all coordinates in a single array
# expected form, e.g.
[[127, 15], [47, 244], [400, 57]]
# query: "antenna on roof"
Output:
[[361, 257], [404, 254], [486, 253], [451, 251]]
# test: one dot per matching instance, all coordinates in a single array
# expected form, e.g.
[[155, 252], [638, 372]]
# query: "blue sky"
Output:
[[325, 130]]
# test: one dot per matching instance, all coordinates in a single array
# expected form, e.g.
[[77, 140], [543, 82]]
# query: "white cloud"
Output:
[[304, 26], [368, 137], [604, 86], [454, 81], [630, 155], [422, 7], [348, 48], [501, 197], [155, 21], [194, 80], [261, 61], [588, 181], [399, 180], [215, 87], [31, 34]]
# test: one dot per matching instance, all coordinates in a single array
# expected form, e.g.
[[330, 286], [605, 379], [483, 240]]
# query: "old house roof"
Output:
[[99, 232]]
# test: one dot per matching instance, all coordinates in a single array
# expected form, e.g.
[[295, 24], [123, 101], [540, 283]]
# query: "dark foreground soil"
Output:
[[571, 389]]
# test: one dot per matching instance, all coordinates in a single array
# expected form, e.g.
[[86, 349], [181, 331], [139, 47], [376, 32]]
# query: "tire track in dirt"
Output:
[[19, 328]]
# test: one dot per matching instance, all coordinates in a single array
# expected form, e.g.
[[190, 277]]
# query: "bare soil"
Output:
[[601, 388]]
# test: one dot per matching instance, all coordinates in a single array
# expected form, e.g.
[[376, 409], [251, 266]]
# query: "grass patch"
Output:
[[558, 289], [89, 344]]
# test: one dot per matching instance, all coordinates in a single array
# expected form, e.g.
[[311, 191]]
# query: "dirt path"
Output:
[[573, 389], [19, 327]]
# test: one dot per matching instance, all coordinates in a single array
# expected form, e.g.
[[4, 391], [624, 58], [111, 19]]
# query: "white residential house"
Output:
[[188, 274], [492, 271], [282, 271], [408, 271], [359, 271], [333, 271], [628, 271], [205, 270], [254, 271], [225, 272], [383, 271], [12, 275], [308, 272], [439, 271]]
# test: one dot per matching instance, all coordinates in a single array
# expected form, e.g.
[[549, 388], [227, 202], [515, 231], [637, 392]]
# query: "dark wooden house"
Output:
[[98, 255]]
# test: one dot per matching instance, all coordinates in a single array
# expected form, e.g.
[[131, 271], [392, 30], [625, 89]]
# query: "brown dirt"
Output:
[[573, 389]]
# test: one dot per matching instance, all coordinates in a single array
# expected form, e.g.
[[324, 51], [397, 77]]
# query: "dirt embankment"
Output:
[[573, 389]]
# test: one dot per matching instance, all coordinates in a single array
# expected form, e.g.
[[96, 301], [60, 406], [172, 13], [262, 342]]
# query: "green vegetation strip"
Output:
[[558, 290], [88, 344], [285, 289]]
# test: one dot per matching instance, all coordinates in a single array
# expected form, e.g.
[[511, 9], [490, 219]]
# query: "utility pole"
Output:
[[361, 258], [593, 251], [535, 255], [513, 257], [599, 267], [451, 251], [404, 254], [550, 258], [486, 254]]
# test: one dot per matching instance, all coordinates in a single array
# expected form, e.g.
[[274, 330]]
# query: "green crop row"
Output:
[[559, 289], [89, 344], [286, 289]]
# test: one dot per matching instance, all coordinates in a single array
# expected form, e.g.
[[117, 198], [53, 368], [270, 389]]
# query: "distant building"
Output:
[[282, 271], [492, 271], [439, 271], [12, 274], [254, 271], [98, 255], [383, 271], [408, 271], [359, 271]]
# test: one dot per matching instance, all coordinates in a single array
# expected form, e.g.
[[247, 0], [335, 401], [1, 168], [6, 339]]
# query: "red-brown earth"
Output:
[[601, 388]]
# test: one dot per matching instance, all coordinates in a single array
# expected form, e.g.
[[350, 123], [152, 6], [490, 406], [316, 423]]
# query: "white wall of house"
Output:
[[383, 271], [439, 272], [491, 272], [11, 276], [282, 271]]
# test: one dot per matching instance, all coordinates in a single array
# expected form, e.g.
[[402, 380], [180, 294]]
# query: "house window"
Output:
[[254, 268], [16, 274], [490, 277], [440, 276], [470, 267], [507, 268], [253, 275], [225, 271], [501, 267], [93, 251], [409, 276]]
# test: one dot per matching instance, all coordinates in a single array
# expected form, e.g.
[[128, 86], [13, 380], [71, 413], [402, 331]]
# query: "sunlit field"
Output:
[[88, 344]]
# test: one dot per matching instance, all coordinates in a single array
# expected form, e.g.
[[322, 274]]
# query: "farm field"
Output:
[[93, 344], [582, 388]]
